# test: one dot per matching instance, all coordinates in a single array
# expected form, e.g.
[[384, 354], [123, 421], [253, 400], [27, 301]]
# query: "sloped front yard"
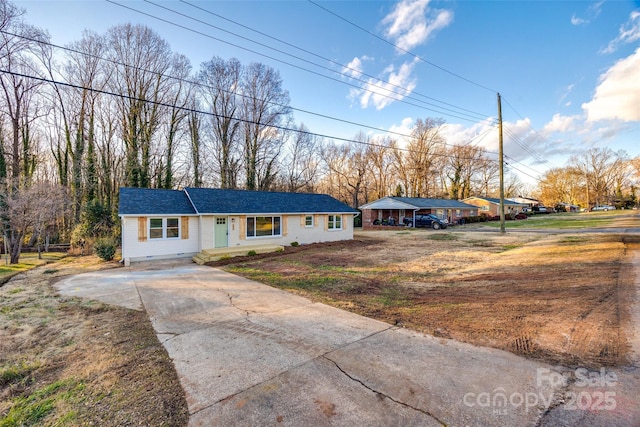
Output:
[[561, 298], [71, 362]]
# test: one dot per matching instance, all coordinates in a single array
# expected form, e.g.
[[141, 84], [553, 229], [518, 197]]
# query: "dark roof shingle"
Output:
[[190, 201], [219, 201], [425, 203], [153, 201]]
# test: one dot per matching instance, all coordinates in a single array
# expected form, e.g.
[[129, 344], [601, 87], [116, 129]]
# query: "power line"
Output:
[[516, 139], [193, 110], [533, 130], [524, 165], [469, 117], [400, 48], [196, 83], [524, 146], [522, 172], [343, 66]]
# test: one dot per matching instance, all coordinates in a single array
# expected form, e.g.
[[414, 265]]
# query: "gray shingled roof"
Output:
[[146, 201], [218, 201], [417, 203], [497, 201], [424, 203], [151, 201]]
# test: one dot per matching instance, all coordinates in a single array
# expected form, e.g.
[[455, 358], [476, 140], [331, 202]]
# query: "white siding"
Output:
[[201, 236], [206, 232], [295, 232], [134, 250]]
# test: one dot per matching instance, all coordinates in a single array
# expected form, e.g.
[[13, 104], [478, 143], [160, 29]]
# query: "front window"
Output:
[[335, 222], [308, 221], [263, 226], [164, 228], [173, 229]]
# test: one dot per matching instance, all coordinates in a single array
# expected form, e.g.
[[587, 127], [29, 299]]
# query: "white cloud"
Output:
[[628, 33], [404, 128], [617, 96], [392, 86], [482, 134], [412, 22], [561, 124], [577, 21], [567, 92], [355, 67], [592, 13]]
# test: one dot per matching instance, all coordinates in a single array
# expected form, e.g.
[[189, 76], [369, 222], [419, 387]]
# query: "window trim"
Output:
[[331, 222], [306, 225], [164, 228], [273, 227]]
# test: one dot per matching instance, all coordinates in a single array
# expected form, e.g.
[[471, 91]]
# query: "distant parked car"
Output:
[[603, 208], [428, 220]]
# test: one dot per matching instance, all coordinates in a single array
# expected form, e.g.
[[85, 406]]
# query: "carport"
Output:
[[393, 210]]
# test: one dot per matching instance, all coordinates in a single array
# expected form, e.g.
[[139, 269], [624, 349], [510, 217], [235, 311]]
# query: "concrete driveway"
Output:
[[248, 354]]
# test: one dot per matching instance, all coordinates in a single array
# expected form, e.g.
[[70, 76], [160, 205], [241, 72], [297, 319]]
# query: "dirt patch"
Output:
[[66, 361], [559, 298]]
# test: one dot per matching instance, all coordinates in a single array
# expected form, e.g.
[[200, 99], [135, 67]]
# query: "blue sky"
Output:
[[568, 72]]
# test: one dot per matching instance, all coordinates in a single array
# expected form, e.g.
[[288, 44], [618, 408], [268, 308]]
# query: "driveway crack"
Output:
[[379, 393], [559, 399]]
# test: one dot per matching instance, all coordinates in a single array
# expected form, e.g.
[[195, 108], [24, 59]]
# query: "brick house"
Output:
[[391, 211], [491, 206]]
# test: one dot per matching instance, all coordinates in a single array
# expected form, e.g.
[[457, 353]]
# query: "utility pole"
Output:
[[501, 163]]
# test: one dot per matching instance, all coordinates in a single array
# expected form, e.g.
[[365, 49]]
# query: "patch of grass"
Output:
[[481, 243], [442, 237], [572, 239], [29, 410], [72, 362], [27, 262], [315, 282], [16, 291], [17, 371], [254, 273], [559, 221], [509, 247], [391, 297], [252, 253]]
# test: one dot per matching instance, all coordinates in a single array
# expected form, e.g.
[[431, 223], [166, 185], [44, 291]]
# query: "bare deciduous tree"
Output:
[[29, 209], [265, 111], [600, 168], [425, 150], [146, 58], [220, 88], [300, 165]]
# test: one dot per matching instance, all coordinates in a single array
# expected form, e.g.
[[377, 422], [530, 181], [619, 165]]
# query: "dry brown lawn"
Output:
[[72, 362], [561, 298]]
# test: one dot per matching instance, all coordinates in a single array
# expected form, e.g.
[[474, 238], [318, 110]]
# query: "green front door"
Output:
[[221, 232]]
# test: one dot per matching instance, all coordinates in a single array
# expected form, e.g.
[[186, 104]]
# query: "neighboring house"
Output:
[[393, 210], [526, 201], [568, 207], [491, 206], [159, 224]]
